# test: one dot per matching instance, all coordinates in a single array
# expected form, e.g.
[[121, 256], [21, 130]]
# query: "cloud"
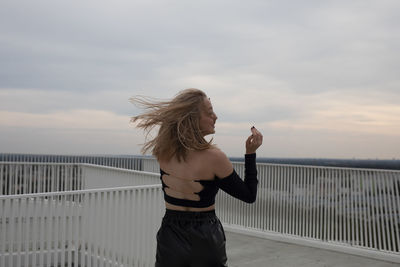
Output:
[[69, 141], [310, 69], [73, 119], [340, 113], [72, 132], [311, 46], [39, 101]]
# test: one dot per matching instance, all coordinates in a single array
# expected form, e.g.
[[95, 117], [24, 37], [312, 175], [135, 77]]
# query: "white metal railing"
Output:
[[342, 206], [347, 207], [31, 177], [27, 178], [99, 227], [126, 162]]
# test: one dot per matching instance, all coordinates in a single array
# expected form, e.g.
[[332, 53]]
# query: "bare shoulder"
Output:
[[220, 163]]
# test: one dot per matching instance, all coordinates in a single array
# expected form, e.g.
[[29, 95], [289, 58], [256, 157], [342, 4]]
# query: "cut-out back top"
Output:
[[201, 193]]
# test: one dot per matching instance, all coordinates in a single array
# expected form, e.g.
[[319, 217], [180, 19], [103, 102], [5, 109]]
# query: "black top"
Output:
[[233, 185]]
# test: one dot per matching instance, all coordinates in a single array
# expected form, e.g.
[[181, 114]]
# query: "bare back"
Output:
[[199, 165]]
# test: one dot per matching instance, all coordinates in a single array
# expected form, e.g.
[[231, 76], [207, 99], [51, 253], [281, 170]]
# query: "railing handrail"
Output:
[[74, 192], [77, 164], [318, 167], [236, 162], [116, 169], [40, 163]]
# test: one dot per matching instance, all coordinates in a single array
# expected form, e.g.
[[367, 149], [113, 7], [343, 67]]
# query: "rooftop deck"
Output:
[[249, 251]]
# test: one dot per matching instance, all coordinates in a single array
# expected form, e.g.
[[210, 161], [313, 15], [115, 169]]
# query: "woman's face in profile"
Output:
[[207, 118]]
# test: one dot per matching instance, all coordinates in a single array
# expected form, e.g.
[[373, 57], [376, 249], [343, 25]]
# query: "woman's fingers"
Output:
[[254, 140], [257, 136], [249, 140], [256, 133], [253, 130]]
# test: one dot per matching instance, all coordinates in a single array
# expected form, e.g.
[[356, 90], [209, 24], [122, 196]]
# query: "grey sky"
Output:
[[319, 78]]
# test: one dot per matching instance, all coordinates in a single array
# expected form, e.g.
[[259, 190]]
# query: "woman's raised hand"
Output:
[[254, 141]]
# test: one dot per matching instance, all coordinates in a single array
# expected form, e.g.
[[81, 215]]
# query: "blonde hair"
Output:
[[179, 124]]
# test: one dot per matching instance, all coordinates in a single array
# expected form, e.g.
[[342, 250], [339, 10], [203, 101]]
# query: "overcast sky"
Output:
[[319, 78]]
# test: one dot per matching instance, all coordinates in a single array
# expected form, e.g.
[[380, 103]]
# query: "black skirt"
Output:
[[195, 239]]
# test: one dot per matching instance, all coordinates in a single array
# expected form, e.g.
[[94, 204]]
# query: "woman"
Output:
[[192, 171]]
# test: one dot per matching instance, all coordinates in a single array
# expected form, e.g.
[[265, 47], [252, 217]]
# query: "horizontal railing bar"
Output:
[[80, 192], [116, 169], [319, 167], [39, 163], [236, 162], [79, 164]]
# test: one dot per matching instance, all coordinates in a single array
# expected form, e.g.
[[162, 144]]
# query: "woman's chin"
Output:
[[208, 132]]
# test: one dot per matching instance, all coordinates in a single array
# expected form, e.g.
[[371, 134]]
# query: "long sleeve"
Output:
[[244, 190]]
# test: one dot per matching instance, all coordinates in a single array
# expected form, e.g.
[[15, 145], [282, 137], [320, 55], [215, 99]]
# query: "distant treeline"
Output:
[[348, 163]]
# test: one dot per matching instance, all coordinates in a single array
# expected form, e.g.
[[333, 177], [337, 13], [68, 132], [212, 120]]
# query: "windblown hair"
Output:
[[179, 122]]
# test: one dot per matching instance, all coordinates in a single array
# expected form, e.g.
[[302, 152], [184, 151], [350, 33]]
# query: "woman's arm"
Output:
[[244, 190], [229, 181]]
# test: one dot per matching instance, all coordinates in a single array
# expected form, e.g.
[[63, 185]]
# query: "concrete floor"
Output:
[[249, 251]]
